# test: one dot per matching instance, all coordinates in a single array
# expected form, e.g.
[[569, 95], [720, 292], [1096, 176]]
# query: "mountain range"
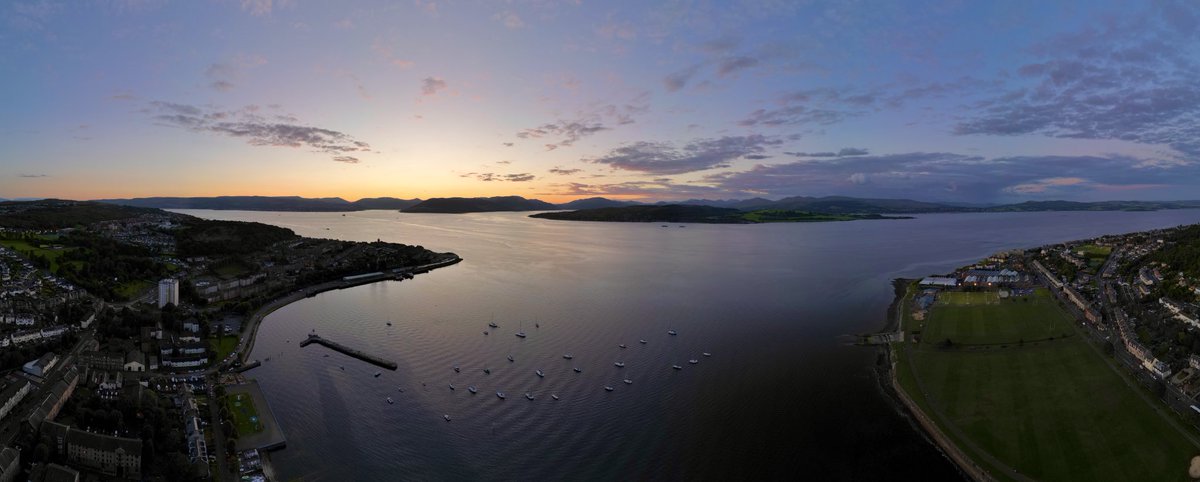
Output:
[[825, 205]]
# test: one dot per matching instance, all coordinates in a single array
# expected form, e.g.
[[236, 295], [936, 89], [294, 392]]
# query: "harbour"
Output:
[[361, 355]]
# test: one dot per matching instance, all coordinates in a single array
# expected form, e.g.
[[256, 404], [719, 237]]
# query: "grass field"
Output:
[[1053, 410], [223, 345], [245, 417], [1096, 255], [131, 289], [26, 249], [967, 298], [983, 318]]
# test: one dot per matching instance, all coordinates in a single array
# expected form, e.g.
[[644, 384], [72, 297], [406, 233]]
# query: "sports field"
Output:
[[984, 318], [245, 417], [1053, 410]]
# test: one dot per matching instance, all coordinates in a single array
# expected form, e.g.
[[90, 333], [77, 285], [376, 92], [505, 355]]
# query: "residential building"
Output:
[[12, 394], [168, 292], [58, 473], [10, 464], [135, 361], [41, 366], [102, 360], [109, 455]]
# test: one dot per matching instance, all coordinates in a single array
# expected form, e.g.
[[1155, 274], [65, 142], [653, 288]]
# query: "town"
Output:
[[1048, 323], [125, 335]]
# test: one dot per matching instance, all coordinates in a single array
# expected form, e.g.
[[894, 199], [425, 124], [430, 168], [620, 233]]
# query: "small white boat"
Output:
[[485, 332], [389, 400], [510, 358], [377, 374], [577, 370], [401, 389], [493, 325], [677, 367], [487, 371], [622, 345], [446, 417], [456, 370], [554, 396], [540, 374], [619, 364], [528, 396], [472, 389], [520, 334], [389, 323], [693, 361], [642, 342], [500, 395], [451, 386], [608, 388], [568, 356], [628, 381], [343, 368], [707, 354], [672, 332]]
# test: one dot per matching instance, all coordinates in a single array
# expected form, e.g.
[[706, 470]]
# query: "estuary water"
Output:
[[782, 395]]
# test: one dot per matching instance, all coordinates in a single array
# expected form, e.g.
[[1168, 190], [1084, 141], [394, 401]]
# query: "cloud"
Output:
[[564, 172], [944, 176], [593, 119], [1131, 80], [1041, 185], [224, 73], [679, 79], [491, 176], [432, 85], [30, 176], [504, 162], [567, 131], [656, 189], [507, 144], [264, 7], [698, 155], [845, 152], [346, 159], [509, 19], [731, 65], [256, 130]]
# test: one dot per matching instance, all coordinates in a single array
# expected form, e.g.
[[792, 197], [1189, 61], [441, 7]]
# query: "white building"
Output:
[[168, 292], [42, 365]]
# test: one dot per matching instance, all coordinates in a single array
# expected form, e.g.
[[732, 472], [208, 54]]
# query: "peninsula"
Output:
[[678, 213]]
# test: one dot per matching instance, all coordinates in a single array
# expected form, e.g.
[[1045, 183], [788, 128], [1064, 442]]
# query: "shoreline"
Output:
[[250, 330], [886, 369]]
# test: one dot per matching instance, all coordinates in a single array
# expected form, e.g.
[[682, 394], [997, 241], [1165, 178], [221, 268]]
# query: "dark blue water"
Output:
[[781, 397]]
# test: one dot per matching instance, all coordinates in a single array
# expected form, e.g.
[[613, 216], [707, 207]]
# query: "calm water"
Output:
[[781, 397]]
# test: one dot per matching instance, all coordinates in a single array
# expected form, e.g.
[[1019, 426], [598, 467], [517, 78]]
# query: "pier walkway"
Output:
[[367, 357]]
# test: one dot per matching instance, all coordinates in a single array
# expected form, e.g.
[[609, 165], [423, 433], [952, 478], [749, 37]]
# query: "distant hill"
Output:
[[1094, 206], [684, 213], [596, 202], [457, 205], [266, 203], [58, 214], [672, 213]]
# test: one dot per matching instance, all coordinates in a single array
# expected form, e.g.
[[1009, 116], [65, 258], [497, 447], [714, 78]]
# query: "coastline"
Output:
[[907, 407], [250, 331]]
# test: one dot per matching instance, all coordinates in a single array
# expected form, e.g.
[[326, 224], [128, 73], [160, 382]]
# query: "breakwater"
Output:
[[361, 355]]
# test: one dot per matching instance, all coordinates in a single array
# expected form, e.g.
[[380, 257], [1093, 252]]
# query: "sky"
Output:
[[950, 101]]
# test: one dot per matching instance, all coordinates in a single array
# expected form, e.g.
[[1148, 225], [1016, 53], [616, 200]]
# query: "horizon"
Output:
[[1084, 102]]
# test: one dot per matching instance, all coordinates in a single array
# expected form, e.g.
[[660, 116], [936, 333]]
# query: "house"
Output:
[[939, 281], [12, 394], [102, 360], [135, 361], [10, 464], [58, 473], [109, 455], [41, 366]]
